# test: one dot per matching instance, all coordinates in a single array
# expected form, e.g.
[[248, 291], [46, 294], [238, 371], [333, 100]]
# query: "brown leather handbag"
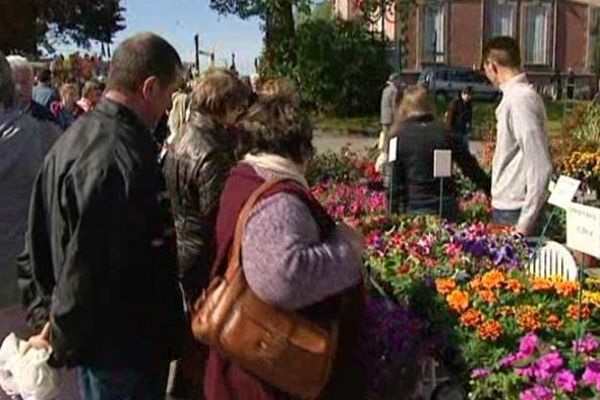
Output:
[[280, 347]]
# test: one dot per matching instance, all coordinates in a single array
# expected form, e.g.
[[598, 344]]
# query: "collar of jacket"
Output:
[[121, 112], [423, 118]]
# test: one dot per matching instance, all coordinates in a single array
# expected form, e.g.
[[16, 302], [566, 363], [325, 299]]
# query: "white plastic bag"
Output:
[[25, 371]]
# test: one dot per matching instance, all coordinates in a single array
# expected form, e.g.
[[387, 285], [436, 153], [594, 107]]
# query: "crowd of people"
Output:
[[132, 212]]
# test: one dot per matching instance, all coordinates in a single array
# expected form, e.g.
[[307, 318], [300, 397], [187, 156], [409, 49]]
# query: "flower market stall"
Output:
[[461, 293]]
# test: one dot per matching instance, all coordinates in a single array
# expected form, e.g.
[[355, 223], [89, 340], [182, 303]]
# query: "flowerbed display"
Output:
[[464, 292]]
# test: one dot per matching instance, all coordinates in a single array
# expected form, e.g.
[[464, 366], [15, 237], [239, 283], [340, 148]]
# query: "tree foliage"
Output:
[[340, 67], [29, 23]]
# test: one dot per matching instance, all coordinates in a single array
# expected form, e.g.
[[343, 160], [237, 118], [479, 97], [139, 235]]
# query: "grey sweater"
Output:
[[24, 142], [522, 166], [285, 262]]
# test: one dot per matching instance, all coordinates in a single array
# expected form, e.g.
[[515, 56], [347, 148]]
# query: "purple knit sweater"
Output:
[[285, 262]]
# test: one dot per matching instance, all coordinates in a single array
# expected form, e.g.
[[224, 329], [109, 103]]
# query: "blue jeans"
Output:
[[122, 384], [506, 217]]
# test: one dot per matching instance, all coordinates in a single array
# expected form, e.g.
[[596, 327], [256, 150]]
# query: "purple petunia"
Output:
[[550, 362], [591, 375], [538, 392], [588, 344], [527, 345], [479, 373]]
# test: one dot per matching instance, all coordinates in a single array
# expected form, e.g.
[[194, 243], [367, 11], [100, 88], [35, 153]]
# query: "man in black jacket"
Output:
[[100, 247], [460, 117]]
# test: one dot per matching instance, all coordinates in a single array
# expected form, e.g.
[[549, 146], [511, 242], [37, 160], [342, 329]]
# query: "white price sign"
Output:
[[442, 163], [564, 191], [583, 229], [393, 149]]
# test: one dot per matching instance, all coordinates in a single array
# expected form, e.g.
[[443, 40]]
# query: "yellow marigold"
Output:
[[514, 286], [591, 297], [471, 318], [554, 321], [488, 296], [445, 285], [458, 300], [566, 288], [528, 318], [490, 330], [492, 280], [573, 311], [539, 284]]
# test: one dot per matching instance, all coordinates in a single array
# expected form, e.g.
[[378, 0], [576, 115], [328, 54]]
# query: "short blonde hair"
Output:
[[219, 93], [415, 102], [280, 87]]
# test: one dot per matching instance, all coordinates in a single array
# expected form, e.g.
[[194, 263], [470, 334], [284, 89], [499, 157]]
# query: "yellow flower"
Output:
[[458, 300]]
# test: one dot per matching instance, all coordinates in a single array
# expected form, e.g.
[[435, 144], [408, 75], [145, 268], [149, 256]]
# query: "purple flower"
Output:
[[550, 362], [588, 344], [479, 373], [508, 360], [526, 372], [565, 381], [528, 345], [538, 392], [591, 375]]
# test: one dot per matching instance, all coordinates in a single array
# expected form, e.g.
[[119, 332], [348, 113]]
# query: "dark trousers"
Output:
[[511, 218], [122, 384]]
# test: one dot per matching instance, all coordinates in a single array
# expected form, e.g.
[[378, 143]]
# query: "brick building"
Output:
[[554, 34]]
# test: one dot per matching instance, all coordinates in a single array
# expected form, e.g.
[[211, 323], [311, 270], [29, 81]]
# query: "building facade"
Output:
[[555, 35]]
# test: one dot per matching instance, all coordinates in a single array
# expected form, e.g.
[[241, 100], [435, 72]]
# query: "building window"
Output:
[[433, 44], [536, 33], [502, 18]]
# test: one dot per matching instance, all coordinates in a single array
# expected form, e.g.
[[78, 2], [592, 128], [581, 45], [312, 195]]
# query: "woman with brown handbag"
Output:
[[297, 263]]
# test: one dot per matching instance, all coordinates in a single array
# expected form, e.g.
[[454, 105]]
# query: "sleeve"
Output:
[[95, 211], [287, 264], [528, 121], [35, 273], [468, 164]]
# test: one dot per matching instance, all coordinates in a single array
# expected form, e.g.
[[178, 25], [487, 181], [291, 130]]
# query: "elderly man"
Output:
[[23, 76], [22, 150], [390, 99]]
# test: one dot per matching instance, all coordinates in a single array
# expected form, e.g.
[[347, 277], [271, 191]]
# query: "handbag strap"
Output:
[[236, 249]]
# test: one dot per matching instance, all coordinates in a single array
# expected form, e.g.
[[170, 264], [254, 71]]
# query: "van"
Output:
[[446, 83]]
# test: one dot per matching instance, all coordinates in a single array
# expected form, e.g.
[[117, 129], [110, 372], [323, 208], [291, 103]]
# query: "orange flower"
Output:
[[554, 321], [506, 311], [488, 296], [528, 318], [573, 311], [492, 280], [514, 286], [490, 330], [475, 283], [566, 288], [471, 317], [445, 285], [538, 284], [458, 300]]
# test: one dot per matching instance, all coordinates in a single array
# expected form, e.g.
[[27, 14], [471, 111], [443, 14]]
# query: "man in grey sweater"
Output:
[[522, 167]]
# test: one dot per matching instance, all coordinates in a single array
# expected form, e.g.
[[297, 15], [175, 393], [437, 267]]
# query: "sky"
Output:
[[178, 21]]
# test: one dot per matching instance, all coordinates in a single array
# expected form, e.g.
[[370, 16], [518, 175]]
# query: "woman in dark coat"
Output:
[[414, 188]]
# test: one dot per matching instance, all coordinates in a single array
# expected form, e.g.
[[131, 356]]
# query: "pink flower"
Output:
[[538, 392], [550, 362], [452, 249], [565, 381], [528, 345], [591, 375], [480, 373], [588, 344]]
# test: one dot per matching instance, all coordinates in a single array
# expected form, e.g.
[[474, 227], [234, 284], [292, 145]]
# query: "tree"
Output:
[[278, 21], [29, 23]]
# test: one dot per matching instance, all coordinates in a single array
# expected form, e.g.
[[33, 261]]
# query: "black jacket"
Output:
[[100, 260], [460, 117], [413, 181], [195, 170]]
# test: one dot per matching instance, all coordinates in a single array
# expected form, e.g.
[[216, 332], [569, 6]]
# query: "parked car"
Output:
[[446, 82]]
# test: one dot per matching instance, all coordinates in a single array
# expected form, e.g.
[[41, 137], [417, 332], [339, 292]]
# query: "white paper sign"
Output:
[[564, 191], [393, 149], [442, 163], [583, 229]]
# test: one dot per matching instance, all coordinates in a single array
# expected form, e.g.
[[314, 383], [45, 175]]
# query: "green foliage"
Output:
[[340, 68], [588, 129]]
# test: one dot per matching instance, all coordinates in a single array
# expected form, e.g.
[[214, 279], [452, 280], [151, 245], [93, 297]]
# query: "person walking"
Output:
[[99, 276], [23, 145], [521, 167], [390, 99], [460, 117]]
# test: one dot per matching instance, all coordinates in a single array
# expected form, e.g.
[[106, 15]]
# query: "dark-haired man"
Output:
[[460, 117], [104, 290], [522, 166]]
